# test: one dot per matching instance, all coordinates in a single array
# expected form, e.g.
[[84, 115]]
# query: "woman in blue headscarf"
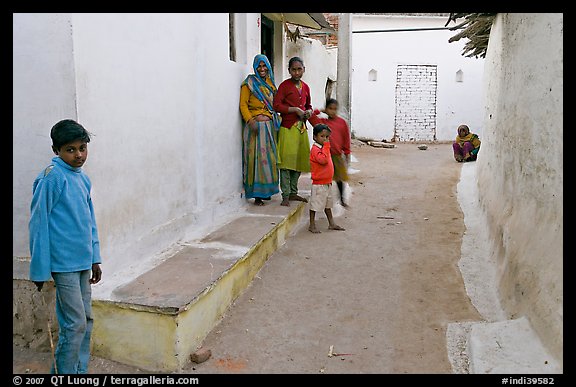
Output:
[[259, 157]]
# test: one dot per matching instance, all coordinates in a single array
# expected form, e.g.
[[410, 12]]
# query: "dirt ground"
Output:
[[378, 296]]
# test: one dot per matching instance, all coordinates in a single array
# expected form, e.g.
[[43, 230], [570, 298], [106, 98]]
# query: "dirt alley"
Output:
[[380, 293]]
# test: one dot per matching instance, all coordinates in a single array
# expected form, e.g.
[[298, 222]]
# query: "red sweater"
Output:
[[340, 133], [321, 166], [289, 96]]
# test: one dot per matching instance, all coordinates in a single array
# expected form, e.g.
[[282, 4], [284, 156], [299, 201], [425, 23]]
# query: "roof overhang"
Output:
[[315, 21]]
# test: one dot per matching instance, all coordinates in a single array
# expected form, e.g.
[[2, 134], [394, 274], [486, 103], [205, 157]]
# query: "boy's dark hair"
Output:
[[295, 59], [320, 127], [331, 101], [66, 131]]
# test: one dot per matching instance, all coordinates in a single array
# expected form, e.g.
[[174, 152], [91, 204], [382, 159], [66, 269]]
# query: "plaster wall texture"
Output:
[[160, 96], [520, 168]]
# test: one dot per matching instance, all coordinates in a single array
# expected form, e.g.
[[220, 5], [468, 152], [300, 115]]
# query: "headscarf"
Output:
[[469, 137], [261, 89]]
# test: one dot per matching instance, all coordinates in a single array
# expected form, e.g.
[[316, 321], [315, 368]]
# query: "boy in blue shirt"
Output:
[[64, 243]]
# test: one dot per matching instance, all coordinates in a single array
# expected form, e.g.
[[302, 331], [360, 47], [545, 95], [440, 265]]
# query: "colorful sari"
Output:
[[466, 147], [259, 155]]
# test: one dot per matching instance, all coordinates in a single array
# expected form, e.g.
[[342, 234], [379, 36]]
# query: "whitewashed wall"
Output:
[[520, 171], [43, 93], [160, 96], [373, 102]]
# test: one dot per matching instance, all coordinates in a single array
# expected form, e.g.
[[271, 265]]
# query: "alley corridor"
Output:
[[379, 294]]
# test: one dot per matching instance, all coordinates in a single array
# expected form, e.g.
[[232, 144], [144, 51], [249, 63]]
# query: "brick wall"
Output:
[[332, 18], [415, 117], [328, 40]]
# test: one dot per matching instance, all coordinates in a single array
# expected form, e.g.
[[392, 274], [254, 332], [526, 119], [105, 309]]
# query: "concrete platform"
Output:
[[159, 318], [509, 346]]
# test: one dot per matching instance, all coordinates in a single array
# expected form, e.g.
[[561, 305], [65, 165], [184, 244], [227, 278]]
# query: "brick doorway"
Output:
[[415, 116]]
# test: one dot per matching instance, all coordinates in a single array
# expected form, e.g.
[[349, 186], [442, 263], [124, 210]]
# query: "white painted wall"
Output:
[[373, 103], [520, 168], [160, 96], [43, 93]]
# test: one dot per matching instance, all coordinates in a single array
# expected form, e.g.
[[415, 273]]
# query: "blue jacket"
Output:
[[63, 233]]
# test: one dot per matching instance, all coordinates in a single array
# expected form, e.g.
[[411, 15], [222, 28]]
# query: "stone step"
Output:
[[157, 320]]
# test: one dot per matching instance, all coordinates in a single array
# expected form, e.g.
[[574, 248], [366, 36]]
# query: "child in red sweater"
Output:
[[322, 171], [339, 143]]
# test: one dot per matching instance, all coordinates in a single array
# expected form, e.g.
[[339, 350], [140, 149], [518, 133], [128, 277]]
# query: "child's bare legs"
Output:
[[331, 224], [312, 227]]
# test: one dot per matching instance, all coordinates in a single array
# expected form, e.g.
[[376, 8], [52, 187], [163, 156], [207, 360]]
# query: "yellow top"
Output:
[[250, 105], [470, 137]]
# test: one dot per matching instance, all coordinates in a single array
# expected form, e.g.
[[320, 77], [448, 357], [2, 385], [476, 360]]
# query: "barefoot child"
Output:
[[293, 102], [322, 171], [339, 143]]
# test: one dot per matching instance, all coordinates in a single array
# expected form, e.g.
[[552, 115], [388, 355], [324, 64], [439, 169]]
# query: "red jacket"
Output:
[[321, 166], [340, 133], [289, 96]]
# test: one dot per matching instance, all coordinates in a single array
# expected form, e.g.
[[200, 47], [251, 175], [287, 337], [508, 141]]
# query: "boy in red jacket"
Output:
[[322, 171]]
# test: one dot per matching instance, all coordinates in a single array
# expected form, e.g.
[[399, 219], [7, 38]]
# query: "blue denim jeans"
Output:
[[74, 314]]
